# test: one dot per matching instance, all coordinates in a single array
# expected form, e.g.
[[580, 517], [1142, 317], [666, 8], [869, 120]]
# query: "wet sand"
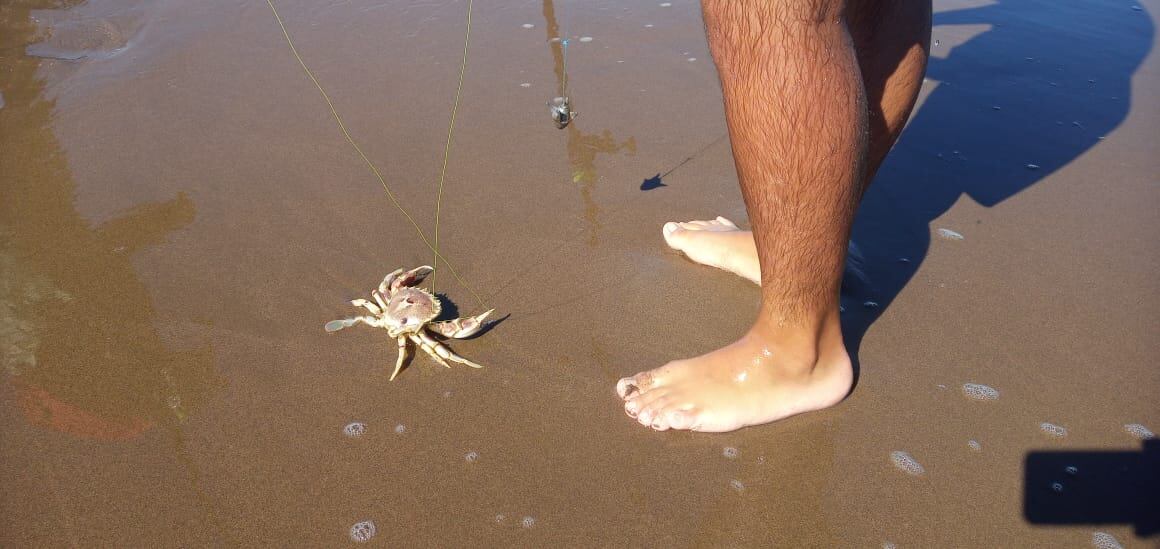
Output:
[[181, 215]]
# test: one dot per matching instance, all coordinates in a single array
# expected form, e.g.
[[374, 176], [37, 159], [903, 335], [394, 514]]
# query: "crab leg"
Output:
[[443, 351], [460, 327], [336, 325], [379, 297], [430, 350], [367, 305], [402, 357]]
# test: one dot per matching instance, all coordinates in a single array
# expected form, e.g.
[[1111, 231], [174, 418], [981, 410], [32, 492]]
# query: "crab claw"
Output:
[[398, 279], [336, 325], [460, 328], [385, 285]]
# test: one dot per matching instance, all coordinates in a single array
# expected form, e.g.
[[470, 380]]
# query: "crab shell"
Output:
[[409, 310]]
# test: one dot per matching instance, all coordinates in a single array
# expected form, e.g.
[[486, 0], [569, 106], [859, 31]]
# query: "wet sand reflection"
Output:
[[76, 323], [582, 148]]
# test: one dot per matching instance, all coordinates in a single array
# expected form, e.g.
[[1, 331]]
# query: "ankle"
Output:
[[804, 343]]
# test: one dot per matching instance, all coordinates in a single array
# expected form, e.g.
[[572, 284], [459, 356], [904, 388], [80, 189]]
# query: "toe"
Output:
[[649, 413], [661, 418], [680, 419], [673, 235], [671, 412], [644, 416], [635, 385], [726, 222], [633, 405], [644, 382], [626, 387], [641, 403], [631, 408]]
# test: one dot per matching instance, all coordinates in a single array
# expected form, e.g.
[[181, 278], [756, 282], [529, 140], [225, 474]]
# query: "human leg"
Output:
[[796, 110], [891, 40]]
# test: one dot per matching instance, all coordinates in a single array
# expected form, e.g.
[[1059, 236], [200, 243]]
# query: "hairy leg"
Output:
[[796, 110], [891, 40]]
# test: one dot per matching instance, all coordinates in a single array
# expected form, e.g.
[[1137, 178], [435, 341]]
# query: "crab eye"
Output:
[[406, 320]]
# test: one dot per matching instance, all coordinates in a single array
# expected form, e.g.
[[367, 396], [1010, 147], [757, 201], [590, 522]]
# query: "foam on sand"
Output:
[[976, 391], [906, 463]]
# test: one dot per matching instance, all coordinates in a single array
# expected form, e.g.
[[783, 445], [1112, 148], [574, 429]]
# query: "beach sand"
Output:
[[181, 215]]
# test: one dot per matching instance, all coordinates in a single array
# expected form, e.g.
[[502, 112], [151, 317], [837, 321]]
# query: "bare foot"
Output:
[[716, 243], [763, 377]]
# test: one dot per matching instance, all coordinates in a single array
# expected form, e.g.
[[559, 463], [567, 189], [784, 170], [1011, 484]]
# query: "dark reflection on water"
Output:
[[1053, 107], [582, 148], [76, 324]]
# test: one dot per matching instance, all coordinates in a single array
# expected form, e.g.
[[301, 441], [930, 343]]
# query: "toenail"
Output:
[[643, 380], [630, 407], [629, 389]]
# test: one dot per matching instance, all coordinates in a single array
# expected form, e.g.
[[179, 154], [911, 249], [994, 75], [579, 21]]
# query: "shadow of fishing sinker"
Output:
[[651, 183]]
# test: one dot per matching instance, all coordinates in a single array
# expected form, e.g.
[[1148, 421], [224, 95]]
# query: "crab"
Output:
[[406, 312]]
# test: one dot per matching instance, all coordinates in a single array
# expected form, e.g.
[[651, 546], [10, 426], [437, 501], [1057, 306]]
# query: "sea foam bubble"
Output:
[[1139, 431], [1104, 540], [362, 532], [950, 235], [976, 391], [1052, 429], [906, 463]]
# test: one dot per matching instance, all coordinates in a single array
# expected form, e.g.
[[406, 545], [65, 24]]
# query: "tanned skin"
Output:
[[816, 93]]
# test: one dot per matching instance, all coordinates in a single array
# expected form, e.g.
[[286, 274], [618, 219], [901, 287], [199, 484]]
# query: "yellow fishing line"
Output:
[[363, 155], [447, 147]]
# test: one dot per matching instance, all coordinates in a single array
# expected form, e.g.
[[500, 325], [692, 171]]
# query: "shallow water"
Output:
[[181, 217]]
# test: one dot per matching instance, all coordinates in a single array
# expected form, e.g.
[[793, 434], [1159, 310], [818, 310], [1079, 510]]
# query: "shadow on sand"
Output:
[[1059, 73], [1094, 488]]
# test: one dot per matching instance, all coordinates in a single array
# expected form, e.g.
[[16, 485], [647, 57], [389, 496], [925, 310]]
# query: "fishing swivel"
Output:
[[562, 113], [561, 106]]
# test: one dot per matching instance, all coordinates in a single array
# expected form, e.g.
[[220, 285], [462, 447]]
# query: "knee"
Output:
[[737, 29], [770, 16]]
